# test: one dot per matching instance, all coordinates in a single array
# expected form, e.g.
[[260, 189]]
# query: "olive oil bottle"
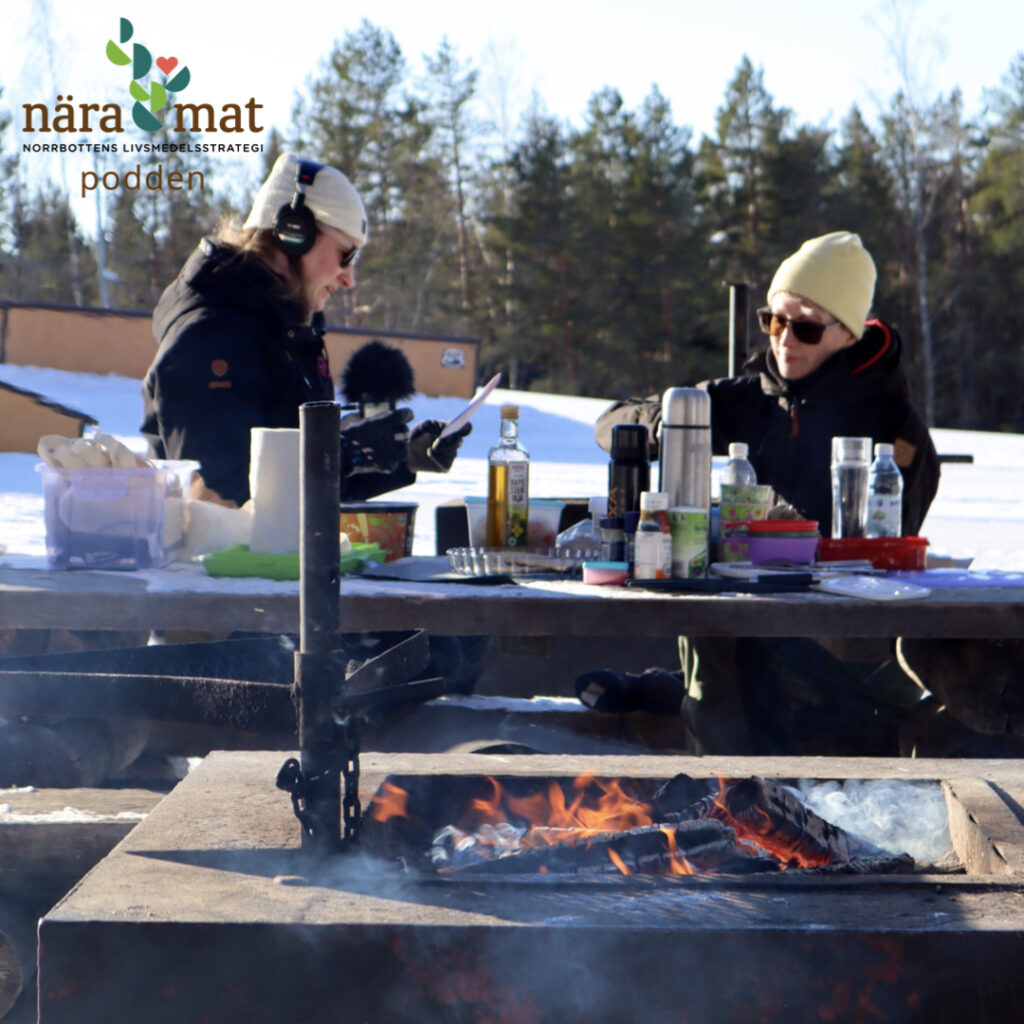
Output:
[[508, 486]]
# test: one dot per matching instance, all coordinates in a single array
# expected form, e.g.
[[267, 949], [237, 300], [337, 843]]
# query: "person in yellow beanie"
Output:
[[828, 370]]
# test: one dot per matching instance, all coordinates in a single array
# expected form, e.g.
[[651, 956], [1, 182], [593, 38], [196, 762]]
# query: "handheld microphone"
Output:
[[376, 378]]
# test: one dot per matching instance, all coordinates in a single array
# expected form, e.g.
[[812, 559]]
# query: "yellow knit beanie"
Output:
[[836, 272]]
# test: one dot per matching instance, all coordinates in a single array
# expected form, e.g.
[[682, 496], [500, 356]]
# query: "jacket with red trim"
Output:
[[788, 426]]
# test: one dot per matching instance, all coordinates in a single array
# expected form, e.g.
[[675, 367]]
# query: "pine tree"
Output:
[[451, 87], [42, 272], [736, 169]]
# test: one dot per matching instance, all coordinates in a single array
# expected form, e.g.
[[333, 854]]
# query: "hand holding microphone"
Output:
[[378, 445]]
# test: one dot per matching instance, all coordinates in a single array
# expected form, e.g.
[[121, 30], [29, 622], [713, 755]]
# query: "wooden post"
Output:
[[739, 342]]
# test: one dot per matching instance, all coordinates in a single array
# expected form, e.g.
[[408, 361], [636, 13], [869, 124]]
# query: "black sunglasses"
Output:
[[809, 332], [351, 257]]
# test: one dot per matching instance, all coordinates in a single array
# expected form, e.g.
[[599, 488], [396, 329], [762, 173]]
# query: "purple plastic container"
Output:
[[788, 549]]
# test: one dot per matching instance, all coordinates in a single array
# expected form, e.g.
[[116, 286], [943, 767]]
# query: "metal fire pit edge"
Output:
[[208, 910]]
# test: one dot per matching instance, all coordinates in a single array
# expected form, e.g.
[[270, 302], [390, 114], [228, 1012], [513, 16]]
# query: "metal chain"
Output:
[[350, 805], [293, 780]]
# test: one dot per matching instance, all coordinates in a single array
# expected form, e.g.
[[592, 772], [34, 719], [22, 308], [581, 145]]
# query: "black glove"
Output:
[[377, 445], [429, 455]]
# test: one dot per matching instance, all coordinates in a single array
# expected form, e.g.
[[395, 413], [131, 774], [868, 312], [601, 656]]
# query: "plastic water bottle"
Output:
[[738, 469], [583, 539], [885, 495]]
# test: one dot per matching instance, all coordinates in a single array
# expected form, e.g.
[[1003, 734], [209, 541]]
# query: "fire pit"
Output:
[[209, 910]]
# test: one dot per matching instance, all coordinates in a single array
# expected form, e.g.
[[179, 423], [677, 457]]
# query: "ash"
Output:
[[898, 816]]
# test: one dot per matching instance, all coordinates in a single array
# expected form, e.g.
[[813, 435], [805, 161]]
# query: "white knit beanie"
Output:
[[834, 271], [331, 198]]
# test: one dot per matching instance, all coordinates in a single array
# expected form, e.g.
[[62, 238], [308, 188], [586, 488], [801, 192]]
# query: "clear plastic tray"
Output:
[[512, 562]]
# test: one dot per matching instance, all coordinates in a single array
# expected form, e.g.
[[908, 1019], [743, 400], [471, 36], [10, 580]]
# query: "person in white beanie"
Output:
[[828, 370], [240, 335]]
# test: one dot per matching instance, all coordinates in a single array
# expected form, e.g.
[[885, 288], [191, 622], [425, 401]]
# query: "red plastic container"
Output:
[[791, 526], [881, 552]]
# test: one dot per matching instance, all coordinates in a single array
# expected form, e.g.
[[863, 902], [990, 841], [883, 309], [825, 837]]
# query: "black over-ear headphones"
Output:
[[295, 226]]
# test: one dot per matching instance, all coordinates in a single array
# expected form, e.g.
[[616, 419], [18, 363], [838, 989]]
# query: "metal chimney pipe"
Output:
[[319, 608]]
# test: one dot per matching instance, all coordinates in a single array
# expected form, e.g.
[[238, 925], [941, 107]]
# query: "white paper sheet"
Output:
[[459, 421]]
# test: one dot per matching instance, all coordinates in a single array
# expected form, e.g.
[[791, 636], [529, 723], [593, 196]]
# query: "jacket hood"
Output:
[[870, 366], [215, 275]]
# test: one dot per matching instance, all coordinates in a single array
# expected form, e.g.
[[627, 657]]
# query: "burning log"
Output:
[[779, 822], [686, 848], [598, 826]]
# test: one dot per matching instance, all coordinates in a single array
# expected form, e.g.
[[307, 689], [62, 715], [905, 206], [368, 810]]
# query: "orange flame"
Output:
[[677, 864], [390, 801], [618, 862], [592, 806]]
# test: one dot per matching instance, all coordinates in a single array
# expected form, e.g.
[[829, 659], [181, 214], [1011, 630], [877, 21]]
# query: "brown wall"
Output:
[[102, 341], [24, 418]]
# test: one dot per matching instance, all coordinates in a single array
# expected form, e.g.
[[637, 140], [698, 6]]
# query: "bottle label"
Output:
[[652, 555], [689, 542], [518, 504], [884, 515]]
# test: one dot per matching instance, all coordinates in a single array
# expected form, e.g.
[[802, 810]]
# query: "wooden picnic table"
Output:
[[185, 598]]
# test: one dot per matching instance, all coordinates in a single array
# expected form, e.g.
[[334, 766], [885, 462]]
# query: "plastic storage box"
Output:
[[104, 518], [881, 552], [388, 523]]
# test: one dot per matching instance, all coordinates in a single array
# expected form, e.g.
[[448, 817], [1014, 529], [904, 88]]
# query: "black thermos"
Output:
[[628, 472]]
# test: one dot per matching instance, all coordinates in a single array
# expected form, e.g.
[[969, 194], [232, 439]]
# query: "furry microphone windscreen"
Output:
[[378, 373]]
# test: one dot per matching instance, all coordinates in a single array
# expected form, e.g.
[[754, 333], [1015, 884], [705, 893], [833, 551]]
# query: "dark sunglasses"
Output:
[[809, 332], [351, 257]]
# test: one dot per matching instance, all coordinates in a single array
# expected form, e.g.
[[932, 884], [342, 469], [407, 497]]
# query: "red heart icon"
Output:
[[167, 64]]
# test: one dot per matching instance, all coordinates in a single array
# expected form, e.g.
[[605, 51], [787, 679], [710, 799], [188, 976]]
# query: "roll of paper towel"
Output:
[[274, 486]]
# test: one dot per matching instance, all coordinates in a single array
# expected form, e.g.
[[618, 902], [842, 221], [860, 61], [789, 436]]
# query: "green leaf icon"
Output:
[[157, 96], [115, 54], [142, 61], [138, 93], [179, 81], [126, 30]]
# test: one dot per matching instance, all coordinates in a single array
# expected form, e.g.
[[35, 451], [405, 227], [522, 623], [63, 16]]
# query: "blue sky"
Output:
[[818, 58]]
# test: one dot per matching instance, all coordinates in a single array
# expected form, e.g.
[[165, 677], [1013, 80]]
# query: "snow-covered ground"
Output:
[[977, 513]]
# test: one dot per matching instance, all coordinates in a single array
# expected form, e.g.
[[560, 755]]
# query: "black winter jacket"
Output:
[[234, 354], [788, 425]]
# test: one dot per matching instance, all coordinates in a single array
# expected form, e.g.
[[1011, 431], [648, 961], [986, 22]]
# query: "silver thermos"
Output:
[[685, 454]]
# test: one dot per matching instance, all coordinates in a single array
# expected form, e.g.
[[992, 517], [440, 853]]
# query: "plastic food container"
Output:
[[787, 527], [387, 523], [743, 512], [541, 526], [606, 573], [511, 561], [768, 547], [746, 494], [107, 518], [881, 552]]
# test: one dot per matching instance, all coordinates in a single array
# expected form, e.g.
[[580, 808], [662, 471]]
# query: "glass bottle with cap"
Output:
[[508, 486], [652, 548], [851, 458]]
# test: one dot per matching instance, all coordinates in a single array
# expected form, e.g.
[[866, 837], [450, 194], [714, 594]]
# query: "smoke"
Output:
[[899, 816]]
